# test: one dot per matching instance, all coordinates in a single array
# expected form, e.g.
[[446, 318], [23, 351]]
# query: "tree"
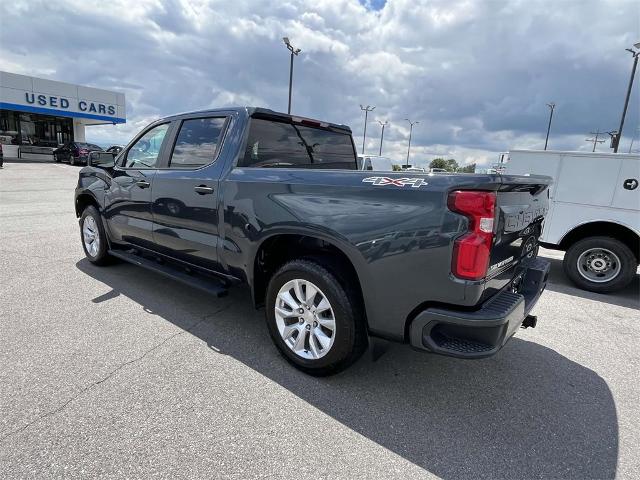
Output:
[[449, 165], [396, 168], [471, 168]]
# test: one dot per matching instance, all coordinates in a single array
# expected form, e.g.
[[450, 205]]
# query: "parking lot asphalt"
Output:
[[117, 372]]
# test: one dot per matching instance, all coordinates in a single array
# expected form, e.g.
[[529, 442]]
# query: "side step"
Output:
[[209, 285]]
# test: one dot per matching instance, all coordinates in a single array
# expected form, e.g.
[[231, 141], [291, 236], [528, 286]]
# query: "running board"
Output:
[[209, 285]]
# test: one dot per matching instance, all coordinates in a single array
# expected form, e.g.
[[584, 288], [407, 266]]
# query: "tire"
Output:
[[56, 158], [92, 220], [349, 337], [72, 160], [584, 264]]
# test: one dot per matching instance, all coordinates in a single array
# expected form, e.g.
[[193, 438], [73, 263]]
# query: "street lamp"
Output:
[[366, 110], [294, 51], [626, 101], [383, 124], [411, 124], [551, 107]]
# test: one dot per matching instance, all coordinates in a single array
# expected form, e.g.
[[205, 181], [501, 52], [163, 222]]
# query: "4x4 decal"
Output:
[[397, 182]]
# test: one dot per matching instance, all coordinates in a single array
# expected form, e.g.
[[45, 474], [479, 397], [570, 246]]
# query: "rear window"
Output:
[[285, 145], [88, 145]]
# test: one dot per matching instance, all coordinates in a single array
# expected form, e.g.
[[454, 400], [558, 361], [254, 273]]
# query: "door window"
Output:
[[145, 152], [288, 145], [197, 142]]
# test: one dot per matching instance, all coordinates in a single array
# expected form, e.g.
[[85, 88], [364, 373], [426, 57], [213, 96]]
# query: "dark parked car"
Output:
[[75, 152], [216, 198], [115, 149]]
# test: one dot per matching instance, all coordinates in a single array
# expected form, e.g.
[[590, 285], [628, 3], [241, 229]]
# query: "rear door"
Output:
[[185, 192], [627, 188], [128, 199]]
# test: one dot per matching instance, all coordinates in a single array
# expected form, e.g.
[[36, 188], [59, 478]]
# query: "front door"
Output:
[[185, 193], [128, 199]]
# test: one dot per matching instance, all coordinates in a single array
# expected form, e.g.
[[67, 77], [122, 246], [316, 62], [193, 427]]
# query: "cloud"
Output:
[[477, 75]]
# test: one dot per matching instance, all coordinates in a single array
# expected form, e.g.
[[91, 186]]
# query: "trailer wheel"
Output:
[[600, 264]]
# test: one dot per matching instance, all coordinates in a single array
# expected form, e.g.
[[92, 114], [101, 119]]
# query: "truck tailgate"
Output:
[[521, 205]]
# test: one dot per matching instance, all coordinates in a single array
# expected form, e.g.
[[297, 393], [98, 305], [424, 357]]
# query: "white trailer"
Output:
[[594, 213]]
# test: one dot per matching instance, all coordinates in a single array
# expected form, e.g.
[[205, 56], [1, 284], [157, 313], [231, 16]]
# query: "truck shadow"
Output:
[[528, 412], [558, 282]]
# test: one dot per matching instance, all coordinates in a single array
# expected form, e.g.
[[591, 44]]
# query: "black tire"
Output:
[[72, 160], [102, 256], [627, 260], [56, 158], [350, 334]]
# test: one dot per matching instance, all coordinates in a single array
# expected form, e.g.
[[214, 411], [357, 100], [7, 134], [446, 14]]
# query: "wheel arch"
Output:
[[83, 201], [603, 229], [277, 249]]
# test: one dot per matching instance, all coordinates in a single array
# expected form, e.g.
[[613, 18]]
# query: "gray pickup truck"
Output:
[[216, 198]]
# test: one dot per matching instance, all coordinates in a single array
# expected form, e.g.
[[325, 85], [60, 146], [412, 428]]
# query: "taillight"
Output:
[[471, 251], [83, 151]]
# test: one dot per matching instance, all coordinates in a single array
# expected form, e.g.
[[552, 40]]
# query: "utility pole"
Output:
[[626, 101], [366, 110], [383, 124], [411, 124], [294, 51], [551, 107], [595, 140]]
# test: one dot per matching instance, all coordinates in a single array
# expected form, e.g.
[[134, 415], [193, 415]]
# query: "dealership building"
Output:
[[38, 115]]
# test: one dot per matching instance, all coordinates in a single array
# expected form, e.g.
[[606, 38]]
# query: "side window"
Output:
[[197, 142], [286, 145], [144, 153]]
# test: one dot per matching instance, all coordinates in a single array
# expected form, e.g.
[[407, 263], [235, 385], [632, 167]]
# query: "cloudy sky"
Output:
[[476, 75]]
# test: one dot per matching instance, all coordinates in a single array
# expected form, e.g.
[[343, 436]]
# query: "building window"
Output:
[[9, 128], [44, 130]]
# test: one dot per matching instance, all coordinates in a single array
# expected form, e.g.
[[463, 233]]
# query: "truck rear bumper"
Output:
[[481, 333]]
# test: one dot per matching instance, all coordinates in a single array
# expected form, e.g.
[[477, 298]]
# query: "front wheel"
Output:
[[94, 239], [313, 320], [600, 264], [72, 160]]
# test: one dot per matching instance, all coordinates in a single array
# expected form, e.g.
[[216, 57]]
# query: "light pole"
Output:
[[366, 110], [626, 101], [294, 51], [383, 124], [411, 124], [551, 107]]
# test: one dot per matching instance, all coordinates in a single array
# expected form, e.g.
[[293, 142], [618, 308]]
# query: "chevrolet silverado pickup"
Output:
[[336, 255]]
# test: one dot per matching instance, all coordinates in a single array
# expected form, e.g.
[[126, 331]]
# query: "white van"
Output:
[[375, 162], [594, 212]]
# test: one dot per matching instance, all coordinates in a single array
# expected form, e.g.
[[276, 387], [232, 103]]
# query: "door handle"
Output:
[[203, 190], [143, 184]]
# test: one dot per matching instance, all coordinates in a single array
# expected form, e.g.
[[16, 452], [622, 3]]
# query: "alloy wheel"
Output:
[[91, 235], [305, 319]]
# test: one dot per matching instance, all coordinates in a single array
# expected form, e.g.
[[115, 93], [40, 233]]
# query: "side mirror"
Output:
[[102, 159]]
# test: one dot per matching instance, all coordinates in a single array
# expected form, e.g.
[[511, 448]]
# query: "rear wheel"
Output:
[[314, 322], [72, 160], [94, 239], [600, 264]]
